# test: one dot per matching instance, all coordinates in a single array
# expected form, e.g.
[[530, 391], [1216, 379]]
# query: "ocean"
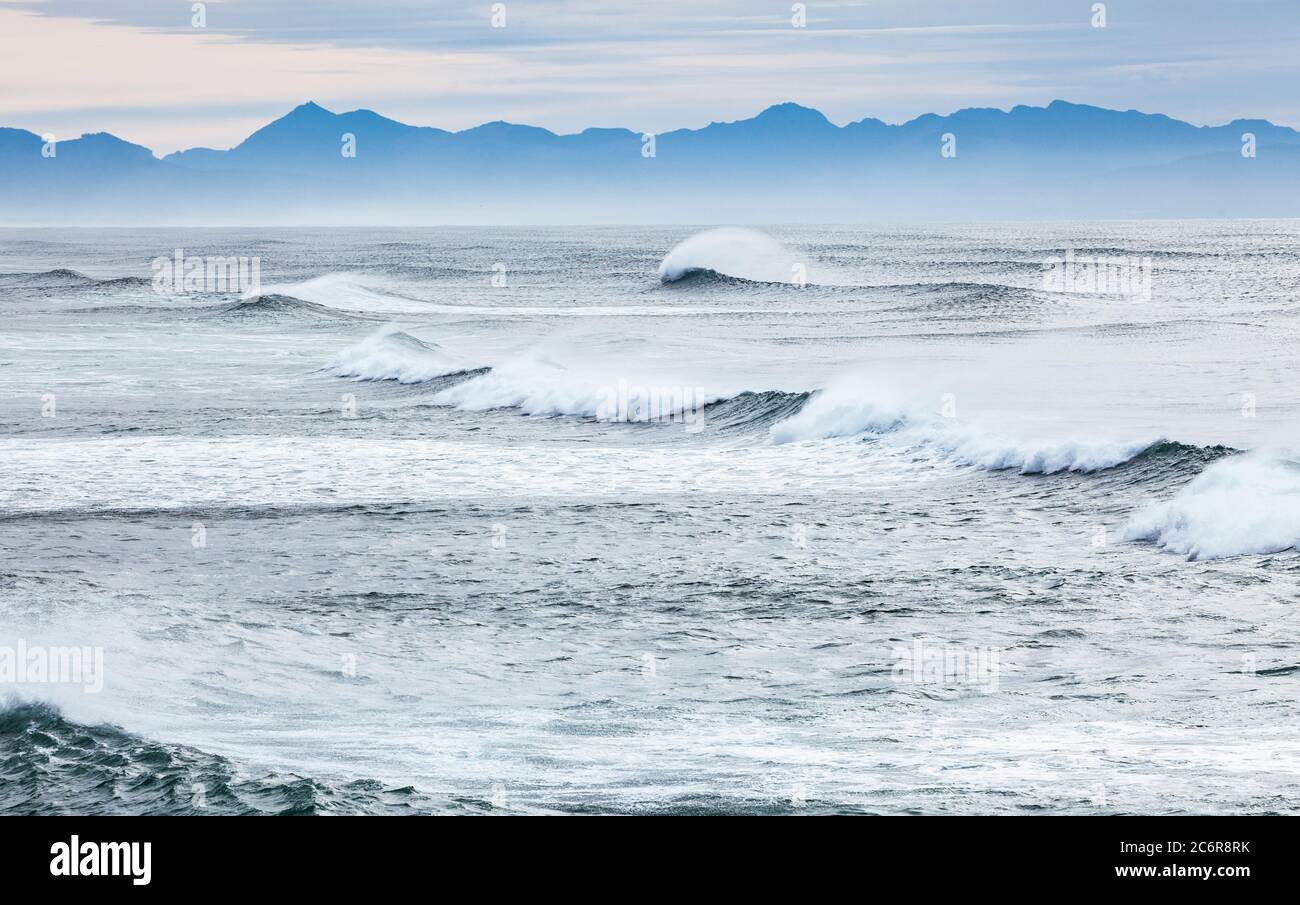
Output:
[[987, 518]]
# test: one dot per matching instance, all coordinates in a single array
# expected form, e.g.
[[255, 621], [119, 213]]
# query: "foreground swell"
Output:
[[52, 766]]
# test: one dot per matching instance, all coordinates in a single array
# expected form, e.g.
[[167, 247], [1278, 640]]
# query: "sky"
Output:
[[144, 71]]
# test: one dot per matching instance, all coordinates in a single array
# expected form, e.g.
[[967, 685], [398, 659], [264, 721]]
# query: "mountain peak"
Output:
[[309, 119], [310, 112], [793, 114]]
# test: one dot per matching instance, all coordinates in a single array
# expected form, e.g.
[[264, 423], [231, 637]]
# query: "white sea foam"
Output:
[[393, 355], [996, 453], [1243, 504], [849, 408], [841, 410], [541, 383], [536, 384]]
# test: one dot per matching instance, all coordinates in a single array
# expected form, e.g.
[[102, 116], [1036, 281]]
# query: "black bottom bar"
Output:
[[957, 853]]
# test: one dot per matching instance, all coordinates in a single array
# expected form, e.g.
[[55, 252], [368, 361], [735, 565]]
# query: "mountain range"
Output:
[[788, 164]]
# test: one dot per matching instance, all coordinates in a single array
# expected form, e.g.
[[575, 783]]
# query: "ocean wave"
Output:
[[956, 286], [394, 355], [538, 384], [537, 387], [753, 410], [963, 300], [849, 409], [1239, 505], [1169, 461], [54, 766], [831, 413], [707, 277], [125, 283], [740, 254], [535, 384], [63, 278], [59, 278], [1042, 457], [275, 306], [543, 387], [351, 293]]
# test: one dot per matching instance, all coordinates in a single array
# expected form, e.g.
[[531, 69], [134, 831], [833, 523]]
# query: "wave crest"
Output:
[[274, 305], [394, 355], [352, 293], [1238, 505], [743, 254], [850, 410], [59, 278]]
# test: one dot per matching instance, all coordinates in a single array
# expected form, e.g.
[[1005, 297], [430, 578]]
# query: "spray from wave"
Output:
[[392, 354], [537, 384], [350, 292], [1238, 505], [540, 382], [743, 254], [849, 409]]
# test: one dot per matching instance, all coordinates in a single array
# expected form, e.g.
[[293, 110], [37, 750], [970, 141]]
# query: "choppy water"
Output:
[[367, 541]]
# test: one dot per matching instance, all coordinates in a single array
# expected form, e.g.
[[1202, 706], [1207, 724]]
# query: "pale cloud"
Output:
[[179, 90]]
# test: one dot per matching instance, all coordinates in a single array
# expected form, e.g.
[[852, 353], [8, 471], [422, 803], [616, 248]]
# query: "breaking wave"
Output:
[[394, 355], [850, 410], [537, 385], [1242, 504], [742, 254], [714, 278], [352, 293]]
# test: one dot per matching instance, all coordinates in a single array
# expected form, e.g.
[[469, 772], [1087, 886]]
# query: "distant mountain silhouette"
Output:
[[787, 164]]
